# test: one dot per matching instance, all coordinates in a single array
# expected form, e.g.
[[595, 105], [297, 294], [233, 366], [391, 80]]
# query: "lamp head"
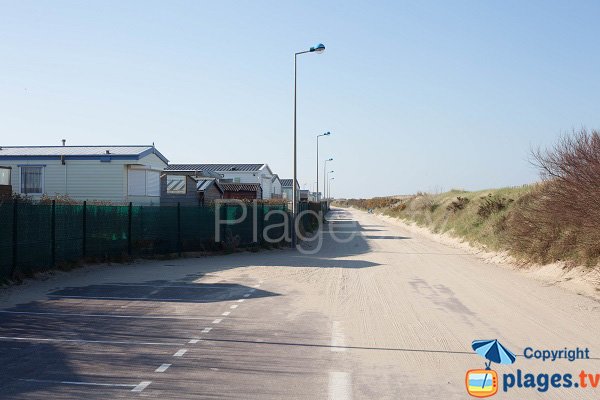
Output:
[[327, 134], [318, 48]]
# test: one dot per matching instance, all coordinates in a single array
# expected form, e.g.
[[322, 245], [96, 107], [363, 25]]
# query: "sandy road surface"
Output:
[[386, 315]]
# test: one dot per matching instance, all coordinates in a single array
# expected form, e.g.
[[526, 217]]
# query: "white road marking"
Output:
[[340, 386], [143, 385], [206, 330], [226, 313], [217, 321], [247, 295], [82, 341], [154, 292], [180, 353], [193, 341], [241, 300], [58, 314], [252, 290], [162, 368], [338, 340], [81, 383], [234, 306]]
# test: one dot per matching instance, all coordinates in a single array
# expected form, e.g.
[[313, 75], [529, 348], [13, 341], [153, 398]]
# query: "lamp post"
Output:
[[327, 181], [318, 136], [319, 48], [324, 177], [329, 189]]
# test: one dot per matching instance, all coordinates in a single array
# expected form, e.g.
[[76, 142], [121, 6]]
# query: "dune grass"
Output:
[[492, 219], [495, 219], [557, 219], [479, 217]]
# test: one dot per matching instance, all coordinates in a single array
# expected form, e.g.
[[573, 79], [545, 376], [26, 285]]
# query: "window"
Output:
[[141, 182], [4, 176], [136, 182], [152, 183], [176, 184], [236, 180], [32, 180]]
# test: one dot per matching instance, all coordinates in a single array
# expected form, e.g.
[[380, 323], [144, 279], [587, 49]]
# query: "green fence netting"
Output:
[[106, 230], [197, 228], [34, 238], [273, 224], [154, 230], [6, 240], [43, 236], [69, 232]]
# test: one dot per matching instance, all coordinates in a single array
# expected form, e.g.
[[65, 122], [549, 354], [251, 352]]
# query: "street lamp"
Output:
[[327, 181], [329, 189], [319, 48], [318, 136]]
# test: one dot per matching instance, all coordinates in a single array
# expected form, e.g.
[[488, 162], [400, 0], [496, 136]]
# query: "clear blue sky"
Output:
[[418, 95]]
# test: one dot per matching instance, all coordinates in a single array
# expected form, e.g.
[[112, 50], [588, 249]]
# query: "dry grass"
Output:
[[557, 219]]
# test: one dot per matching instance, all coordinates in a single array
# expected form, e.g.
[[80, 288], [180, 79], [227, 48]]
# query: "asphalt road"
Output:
[[380, 313]]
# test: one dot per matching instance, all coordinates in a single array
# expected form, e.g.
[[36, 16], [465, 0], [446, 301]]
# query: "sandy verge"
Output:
[[581, 280]]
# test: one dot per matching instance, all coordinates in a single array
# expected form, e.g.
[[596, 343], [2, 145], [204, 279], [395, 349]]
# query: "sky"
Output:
[[417, 95]]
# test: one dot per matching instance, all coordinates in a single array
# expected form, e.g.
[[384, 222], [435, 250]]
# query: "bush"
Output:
[[428, 203], [459, 204], [21, 198], [59, 199], [560, 218], [492, 204], [572, 172], [374, 203], [399, 207]]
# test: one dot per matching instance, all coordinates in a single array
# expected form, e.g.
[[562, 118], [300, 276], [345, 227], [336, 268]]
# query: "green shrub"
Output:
[[492, 204], [459, 204]]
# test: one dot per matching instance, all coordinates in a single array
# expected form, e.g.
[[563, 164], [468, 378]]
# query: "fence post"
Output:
[[261, 223], [255, 238], [84, 227], [224, 217], [53, 234], [179, 229], [129, 221], [14, 239]]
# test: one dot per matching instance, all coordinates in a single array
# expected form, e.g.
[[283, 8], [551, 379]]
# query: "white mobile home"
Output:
[[237, 173], [286, 188], [276, 190], [118, 174]]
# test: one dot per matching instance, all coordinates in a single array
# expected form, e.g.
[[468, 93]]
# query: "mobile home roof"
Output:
[[76, 152]]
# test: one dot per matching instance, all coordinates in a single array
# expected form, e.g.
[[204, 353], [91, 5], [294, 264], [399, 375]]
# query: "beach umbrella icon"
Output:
[[493, 351]]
